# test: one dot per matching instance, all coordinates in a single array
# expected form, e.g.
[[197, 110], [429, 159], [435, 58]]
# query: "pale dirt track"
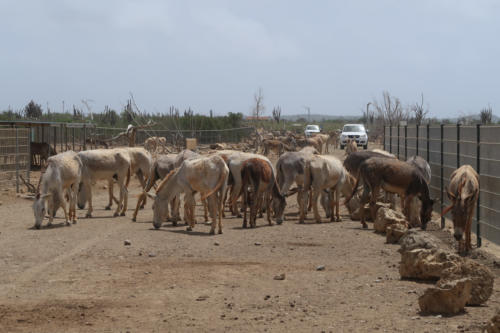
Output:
[[83, 279]]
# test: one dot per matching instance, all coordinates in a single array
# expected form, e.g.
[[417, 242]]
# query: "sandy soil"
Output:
[[84, 279]]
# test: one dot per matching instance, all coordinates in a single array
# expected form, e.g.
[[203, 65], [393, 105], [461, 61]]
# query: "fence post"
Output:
[[43, 134], [28, 169], [406, 142], [84, 138], [384, 138], [55, 139], [416, 138], [390, 139], [458, 145], [17, 161], [61, 136], [428, 144], [442, 174], [478, 165], [73, 137], [398, 139]]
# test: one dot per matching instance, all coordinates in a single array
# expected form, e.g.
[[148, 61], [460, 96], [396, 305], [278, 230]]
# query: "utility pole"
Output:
[[366, 116], [308, 113]]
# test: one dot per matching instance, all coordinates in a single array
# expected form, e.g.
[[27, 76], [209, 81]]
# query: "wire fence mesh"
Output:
[[14, 156], [17, 142], [446, 148]]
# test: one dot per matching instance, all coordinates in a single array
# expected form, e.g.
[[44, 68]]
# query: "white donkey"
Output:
[[63, 173]]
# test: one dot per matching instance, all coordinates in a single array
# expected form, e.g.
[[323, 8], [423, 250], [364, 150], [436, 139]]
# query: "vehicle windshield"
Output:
[[354, 128], [312, 127]]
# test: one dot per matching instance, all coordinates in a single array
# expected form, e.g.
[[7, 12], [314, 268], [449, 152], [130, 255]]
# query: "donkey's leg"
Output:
[[110, 194]]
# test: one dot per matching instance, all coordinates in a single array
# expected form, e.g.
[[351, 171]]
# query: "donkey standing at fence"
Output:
[[43, 150], [463, 193]]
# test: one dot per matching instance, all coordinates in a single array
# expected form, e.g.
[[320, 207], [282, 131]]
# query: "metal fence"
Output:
[[14, 156], [15, 139], [64, 138], [447, 147]]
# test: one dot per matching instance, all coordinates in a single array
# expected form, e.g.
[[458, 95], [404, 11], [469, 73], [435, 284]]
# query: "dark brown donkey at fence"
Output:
[[393, 176], [43, 150]]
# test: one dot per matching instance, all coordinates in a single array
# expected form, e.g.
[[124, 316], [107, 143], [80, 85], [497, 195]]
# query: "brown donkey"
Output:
[[463, 193], [393, 176]]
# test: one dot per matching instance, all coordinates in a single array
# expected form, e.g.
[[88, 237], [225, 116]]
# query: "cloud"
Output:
[[234, 35]]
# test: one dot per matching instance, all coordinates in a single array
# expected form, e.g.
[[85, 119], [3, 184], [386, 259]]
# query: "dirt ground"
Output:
[[84, 279]]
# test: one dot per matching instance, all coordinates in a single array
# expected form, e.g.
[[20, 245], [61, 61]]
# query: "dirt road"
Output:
[[84, 279]]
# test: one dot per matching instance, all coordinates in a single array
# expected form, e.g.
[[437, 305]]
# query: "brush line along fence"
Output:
[[446, 148]]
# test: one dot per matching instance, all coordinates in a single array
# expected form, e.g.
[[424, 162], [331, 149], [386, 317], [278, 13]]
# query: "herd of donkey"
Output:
[[246, 178]]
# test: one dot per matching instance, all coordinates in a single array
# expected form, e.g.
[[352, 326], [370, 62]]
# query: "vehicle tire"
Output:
[[365, 147], [342, 146]]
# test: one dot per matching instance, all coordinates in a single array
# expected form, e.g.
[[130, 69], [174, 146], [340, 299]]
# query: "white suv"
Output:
[[355, 132], [311, 130]]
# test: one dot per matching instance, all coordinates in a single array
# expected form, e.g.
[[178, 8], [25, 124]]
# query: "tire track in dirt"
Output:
[[35, 271]]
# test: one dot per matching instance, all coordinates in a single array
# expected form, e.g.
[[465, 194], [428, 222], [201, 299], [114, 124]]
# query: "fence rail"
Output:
[[16, 159], [446, 148]]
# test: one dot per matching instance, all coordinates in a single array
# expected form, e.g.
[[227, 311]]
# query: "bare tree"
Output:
[[131, 132], [277, 114], [390, 109], [258, 109], [419, 112], [486, 115]]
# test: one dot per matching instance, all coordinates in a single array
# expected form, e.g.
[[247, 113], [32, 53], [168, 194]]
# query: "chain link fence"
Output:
[[446, 148]]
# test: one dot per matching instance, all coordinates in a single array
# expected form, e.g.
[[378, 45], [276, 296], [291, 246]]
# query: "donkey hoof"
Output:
[[220, 231], [339, 219], [107, 208], [88, 215], [134, 219], [189, 229], [365, 226], [115, 214], [212, 232], [122, 214]]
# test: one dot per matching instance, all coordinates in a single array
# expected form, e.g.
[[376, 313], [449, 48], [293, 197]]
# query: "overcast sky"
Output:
[[334, 56]]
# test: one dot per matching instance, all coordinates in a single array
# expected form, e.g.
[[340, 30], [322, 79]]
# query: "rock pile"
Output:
[[460, 281]]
